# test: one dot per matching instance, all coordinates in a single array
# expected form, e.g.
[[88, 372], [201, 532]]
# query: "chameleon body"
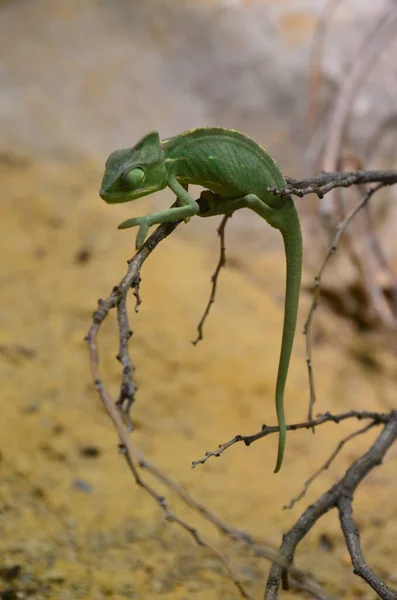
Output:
[[236, 173]]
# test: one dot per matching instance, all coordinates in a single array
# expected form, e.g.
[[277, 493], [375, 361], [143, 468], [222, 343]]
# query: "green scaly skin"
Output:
[[236, 173]]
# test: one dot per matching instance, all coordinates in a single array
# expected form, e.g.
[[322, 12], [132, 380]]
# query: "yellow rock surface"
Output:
[[78, 525]]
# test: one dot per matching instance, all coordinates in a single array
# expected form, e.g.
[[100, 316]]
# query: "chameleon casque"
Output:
[[236, 173]]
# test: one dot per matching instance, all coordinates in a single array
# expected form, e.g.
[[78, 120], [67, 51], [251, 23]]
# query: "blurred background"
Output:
[[80, 79]]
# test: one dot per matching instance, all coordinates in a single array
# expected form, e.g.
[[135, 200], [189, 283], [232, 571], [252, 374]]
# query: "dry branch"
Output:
[[375, 417], [325, 182], [282, 567], [340, 496]]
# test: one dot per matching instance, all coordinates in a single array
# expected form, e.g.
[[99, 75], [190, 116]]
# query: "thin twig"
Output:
[[325, 182], [316, 295], [345, 488], [214, 278], [377, 419], [327, 463]]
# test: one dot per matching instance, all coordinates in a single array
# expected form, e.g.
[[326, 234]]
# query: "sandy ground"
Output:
[[71, 517]]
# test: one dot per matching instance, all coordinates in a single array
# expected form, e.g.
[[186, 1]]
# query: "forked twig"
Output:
[[328, 463]]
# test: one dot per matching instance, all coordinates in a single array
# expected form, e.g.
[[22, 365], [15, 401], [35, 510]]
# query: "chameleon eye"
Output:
[[132, 177]]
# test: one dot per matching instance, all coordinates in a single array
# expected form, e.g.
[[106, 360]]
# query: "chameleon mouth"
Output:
[[119, 197], [111, 197]]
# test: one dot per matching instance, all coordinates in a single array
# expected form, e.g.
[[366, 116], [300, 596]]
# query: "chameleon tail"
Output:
[[291, 232]]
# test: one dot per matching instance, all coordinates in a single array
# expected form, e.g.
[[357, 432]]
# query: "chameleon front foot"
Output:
[[142, 223]]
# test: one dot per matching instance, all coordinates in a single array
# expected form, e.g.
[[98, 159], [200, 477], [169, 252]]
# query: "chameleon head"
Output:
[[134, 172]]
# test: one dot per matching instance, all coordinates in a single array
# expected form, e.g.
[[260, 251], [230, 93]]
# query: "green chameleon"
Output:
[[236, 173]]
